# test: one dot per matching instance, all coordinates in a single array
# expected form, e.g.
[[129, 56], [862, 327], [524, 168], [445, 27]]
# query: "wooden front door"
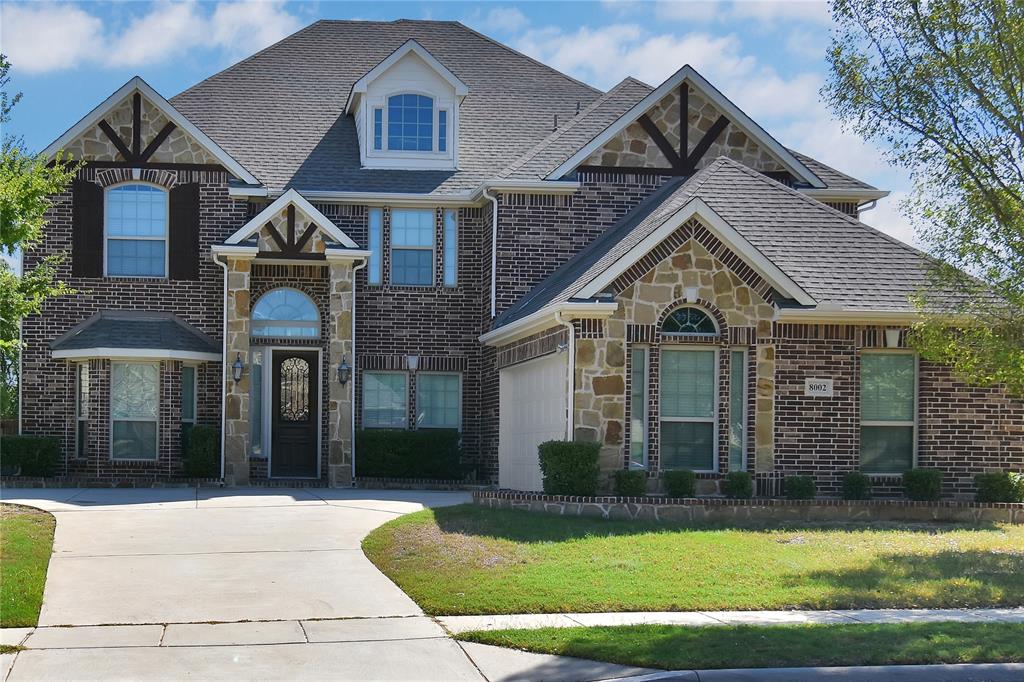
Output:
[[294, 421]]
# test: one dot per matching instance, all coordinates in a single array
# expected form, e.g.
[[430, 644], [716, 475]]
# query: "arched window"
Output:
[[689, 321], [136, 231], [411, 123], [285, 312]]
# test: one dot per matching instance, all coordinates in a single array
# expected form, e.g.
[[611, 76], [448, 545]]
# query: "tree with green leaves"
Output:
[[26, 183], [940, 86]]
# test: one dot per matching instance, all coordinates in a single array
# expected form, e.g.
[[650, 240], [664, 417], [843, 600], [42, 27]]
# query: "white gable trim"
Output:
[[300, 202], [731, 111], [461, 89], [137, 84], [133, 354], [721, 229]]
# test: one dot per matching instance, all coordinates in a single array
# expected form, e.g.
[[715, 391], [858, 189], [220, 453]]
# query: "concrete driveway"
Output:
[[242, 584]]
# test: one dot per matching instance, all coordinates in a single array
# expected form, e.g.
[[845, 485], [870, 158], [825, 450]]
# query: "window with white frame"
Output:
[[688, 396], [690, 321], [81, 409], [638, 367], [438, 401], [375, 222], [888, 410], [135, 220], [134, 410], [188, 400], [385, 400], [451, 247], [410, 123], [285, 313], [256, 399], [412, 247], [737, 409]]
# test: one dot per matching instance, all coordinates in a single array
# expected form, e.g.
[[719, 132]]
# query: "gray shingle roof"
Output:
[[833, 257], [280, 113], [829, 175], [136, 329]]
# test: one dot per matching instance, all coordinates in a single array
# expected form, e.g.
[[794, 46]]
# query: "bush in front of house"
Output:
[[201, 452], [738, 485], [800, 487], [630, 483], [856, 486], [570, 467], [680, 483], [29, 455], [1000, 486], [923, 485], [434, 454]]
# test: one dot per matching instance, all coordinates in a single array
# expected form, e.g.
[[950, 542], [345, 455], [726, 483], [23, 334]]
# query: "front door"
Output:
[[294, 420]]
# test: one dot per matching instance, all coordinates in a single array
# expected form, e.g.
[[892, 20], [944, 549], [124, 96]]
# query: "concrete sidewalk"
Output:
[[457, 624], [981, 672]]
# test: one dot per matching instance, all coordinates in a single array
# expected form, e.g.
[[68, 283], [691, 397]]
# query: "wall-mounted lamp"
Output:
[[412, 362], [691, 294], [237, 368], [892, 338], [344, 371]]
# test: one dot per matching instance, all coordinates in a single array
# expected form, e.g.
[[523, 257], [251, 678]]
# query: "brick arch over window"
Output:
[[307, 279], [108, 177], [700, 304]]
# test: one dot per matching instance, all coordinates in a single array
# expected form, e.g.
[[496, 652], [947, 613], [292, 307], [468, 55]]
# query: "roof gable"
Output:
[[299, 231], [136, 125], [683, 155], [409, 47]]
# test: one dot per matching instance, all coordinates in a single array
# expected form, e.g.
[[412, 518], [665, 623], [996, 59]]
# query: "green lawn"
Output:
[[471, 560], [676, 647], [26, 538]]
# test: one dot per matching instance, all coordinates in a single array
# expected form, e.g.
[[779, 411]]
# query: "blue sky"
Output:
[[767, 56]]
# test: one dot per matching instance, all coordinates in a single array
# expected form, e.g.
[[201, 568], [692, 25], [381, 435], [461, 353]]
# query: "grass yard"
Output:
[[471, 560], [675, 647], [26, 539]]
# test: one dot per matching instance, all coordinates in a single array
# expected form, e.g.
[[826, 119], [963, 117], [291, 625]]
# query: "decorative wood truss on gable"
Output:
[[291, 245], [136, 156]]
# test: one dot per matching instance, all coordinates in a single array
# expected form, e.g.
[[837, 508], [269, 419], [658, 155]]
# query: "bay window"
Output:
[[188, 400], [688, 385], [385, 400], [134, 410], [888, 409], [81, 409]]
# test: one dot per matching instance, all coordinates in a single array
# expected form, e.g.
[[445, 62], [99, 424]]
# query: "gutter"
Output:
[[352, 402], [843, 315], [472, 197], [571, 375], [834, 194], [494, 251], [548, 317], [223, 362]]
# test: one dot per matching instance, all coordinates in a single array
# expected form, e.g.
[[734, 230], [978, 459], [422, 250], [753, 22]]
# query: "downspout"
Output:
[[494, 250], [571, 394], [352, 402], [223, 366]]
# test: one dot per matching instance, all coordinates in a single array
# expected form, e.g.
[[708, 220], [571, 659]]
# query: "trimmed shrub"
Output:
[[570, 467], [800, 487], [398, 453], [856, 486], [630, 483], [201, 452], [680, 483], [738, 485], [1000, 486], [923, 485], [29, 455]]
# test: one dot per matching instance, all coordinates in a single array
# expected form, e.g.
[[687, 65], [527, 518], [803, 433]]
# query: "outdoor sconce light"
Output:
[[892, 338], [237, 368], [344, 371], [412, 362]]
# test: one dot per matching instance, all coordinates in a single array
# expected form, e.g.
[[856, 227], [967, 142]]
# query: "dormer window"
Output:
[[409, 123]]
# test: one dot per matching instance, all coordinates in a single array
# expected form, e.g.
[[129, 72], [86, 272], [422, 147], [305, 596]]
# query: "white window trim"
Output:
[[690, 335], [715, 445], [156, 420], [79, 417], [646, 376], [745, 401], [302, 324], [362, 398], [263, 353], [382, 102], [195, 393], [166, 239], [455, 249], [875, 422], [416, 405], [432, 248]]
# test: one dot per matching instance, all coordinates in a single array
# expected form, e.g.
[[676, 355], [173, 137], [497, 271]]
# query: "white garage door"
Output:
[[531, 411]]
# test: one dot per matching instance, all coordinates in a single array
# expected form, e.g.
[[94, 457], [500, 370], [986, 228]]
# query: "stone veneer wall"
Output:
[[339, 330], [179, 147], [633, 147], [266, 242], [236, 393]]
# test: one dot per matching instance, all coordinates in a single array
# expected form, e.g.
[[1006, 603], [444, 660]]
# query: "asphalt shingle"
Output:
[[136, 329]]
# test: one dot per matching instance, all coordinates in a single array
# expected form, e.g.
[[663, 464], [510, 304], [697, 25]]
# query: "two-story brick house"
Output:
[[409, 225]]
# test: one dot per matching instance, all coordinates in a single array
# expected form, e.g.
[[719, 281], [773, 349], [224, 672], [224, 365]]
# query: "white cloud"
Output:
[[774, 11], [688, 10], [42, 38], [503, 20], [46, 37]]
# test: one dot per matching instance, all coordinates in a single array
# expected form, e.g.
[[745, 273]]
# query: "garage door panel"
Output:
[[531, 411]]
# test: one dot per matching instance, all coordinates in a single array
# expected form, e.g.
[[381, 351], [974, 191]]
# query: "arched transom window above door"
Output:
[[285, 312], [689, 321]]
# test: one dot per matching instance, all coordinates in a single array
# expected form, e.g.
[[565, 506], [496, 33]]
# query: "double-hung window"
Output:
[[737, 409], [385, 400], [888, 400], [688, 388], [451, 247], [412, 247], [81, 409], [374, 226], [638, 365], [136, 231], [188, 400], [438, 401], [134, 410]]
